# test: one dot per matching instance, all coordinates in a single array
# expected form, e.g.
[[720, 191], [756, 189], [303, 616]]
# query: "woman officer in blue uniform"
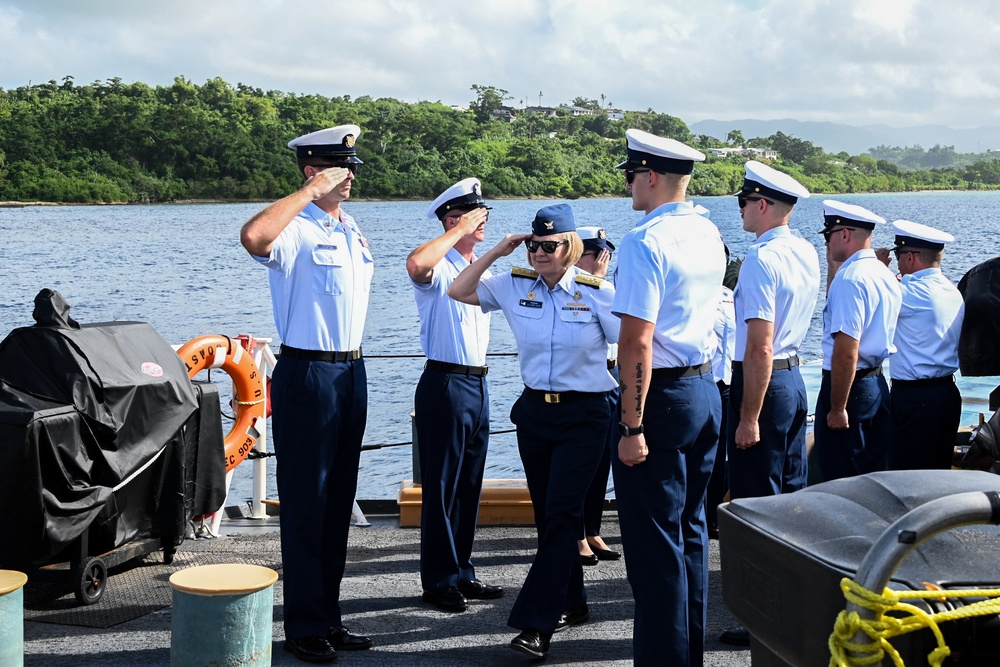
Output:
[[562, 322]]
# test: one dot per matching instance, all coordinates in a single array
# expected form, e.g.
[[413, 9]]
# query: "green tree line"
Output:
[[130, 142]]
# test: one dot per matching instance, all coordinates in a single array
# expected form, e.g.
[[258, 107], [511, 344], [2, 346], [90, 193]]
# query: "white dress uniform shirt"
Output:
[[450, 331], [670, 267], [321, 276], [562, 334], [863, 303], [725, 332], [779, 283], [928, 328]]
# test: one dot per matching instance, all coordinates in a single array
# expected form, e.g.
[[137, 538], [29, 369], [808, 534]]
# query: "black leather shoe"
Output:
[[477, 590], [532, 642], [589, 560], [573, 616], [738, 636], [343, 639], [449, 599], [311, 649], [605, 554]]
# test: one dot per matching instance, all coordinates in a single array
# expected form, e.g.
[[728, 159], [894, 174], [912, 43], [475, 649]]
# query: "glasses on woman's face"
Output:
[[547, 246], [630, 174]]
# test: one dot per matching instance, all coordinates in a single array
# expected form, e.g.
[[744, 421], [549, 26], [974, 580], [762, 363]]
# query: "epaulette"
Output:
[[589, 280], [518, 272]]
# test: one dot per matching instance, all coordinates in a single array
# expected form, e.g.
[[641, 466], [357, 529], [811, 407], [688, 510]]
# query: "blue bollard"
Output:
[[12, 618], [222, 616]]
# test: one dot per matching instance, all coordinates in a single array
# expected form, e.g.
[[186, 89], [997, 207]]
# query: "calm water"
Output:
[[181, 268]]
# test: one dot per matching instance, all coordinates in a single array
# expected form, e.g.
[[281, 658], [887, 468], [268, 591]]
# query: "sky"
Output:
[[859, 62]]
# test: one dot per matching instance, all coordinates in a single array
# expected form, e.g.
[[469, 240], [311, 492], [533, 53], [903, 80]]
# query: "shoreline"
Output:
[[27, 204]]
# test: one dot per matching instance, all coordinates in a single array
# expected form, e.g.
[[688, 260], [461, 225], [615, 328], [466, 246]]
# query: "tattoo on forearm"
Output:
[[638, 390]]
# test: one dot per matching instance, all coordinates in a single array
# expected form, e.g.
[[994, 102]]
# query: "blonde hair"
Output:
[[574, 250]]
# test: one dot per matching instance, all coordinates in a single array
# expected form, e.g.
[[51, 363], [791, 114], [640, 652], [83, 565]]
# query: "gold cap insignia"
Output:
[[601, 234], [549, 224], [349, 141], [476, 190]]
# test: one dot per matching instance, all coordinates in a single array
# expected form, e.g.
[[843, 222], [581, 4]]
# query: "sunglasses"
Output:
[[547, 246], [630, 174], [350, 166], [827, 233], [900, 251], [742, 201]]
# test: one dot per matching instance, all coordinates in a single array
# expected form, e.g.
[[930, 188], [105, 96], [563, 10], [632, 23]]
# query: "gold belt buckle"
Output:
[[551, 398]]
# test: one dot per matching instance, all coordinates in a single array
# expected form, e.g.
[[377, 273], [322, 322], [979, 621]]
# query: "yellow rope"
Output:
[[844, 652]]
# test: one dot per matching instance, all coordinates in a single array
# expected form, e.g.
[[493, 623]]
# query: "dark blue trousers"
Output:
[[777, 464], [560, 446], [924, 421], [864, 446], [593, 504], [452, 416], [320, 409], [661, 507], [718, 484]]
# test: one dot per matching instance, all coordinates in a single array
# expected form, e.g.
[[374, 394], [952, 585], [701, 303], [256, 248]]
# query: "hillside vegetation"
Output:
[[121, 142]]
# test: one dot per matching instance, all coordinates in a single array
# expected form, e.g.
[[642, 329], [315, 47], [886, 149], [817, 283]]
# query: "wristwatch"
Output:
[[626, 430]]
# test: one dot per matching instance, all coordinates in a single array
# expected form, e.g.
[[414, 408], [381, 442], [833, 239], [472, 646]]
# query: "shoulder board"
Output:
[[589, 280], [518, 272]]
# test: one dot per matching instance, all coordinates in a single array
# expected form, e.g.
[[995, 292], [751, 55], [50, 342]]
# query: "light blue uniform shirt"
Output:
[[562, 335], [928, 328], [670, 267], [321, 275], [450, 331], [779, 283], [863, 303], [725, 333]]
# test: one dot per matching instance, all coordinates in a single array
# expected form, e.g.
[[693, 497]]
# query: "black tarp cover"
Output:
[[979, 345], [82, 410]]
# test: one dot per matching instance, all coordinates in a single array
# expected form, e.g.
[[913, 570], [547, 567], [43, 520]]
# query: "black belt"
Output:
[[563, 396], [925, 382], [458, 369], [612, 363], [861, 373], [681, 371], [776, 364], [320, 355]]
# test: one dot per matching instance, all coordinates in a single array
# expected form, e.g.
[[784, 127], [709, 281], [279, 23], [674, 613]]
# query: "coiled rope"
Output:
[[844, 652]]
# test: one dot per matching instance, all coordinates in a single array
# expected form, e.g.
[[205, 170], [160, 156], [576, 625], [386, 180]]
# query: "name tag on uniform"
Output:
[[530, 304]]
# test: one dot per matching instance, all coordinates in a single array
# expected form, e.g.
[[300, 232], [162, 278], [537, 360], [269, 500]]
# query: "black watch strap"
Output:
[[626, 430]]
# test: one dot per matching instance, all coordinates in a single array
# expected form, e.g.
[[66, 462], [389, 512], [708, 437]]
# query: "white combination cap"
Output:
[[467, 194], [915, 235], [648, 151], [848, 215], [335, 143], [768, 182]]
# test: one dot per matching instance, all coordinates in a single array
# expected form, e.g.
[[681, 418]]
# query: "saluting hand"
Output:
[[323, 182], [471, 221], [632, 449], [509, 243], [882, 255], [601, 263]]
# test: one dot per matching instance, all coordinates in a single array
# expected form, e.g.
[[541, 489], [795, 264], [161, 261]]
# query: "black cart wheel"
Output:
[[91, 580]]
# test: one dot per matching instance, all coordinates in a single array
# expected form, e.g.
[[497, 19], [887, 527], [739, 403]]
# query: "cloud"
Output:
[[897, 62]]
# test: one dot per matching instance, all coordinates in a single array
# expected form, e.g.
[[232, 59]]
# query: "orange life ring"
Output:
[[204, 352]]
